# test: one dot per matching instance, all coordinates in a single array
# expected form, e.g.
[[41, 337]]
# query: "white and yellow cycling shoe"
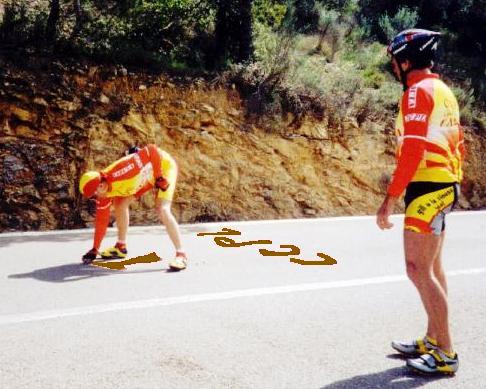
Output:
[[179, 262], [415, 347], [435, 362]]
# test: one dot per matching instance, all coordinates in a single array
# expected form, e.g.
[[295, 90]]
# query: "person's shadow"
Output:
[[397, 378], [75, 272]]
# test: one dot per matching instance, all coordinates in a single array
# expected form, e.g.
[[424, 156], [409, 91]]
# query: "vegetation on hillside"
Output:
[[320, 57]]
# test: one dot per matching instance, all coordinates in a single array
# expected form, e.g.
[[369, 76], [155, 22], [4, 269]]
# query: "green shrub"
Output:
[[269, 12], [368, 55], [373, 78], [327, 17], [272, 50], [465, 99], [359, 34], [285, 77], [165, 26], [328, 29], [388, 96], [23, 22], [344, 90], [261, 80], [404, 18], [133, 31], [372, 61]]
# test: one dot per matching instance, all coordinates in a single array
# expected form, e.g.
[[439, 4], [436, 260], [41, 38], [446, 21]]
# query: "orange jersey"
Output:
[[134, 174], [430, 139]]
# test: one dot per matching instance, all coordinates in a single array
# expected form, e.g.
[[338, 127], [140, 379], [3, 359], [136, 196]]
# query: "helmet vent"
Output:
[[424, 46], [399, 49]]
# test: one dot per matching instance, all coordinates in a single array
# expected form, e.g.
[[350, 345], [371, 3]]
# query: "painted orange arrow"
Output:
[[148, 258]]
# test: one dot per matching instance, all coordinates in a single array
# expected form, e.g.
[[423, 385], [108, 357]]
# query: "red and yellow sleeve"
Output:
[[417, 105], [155, 159]]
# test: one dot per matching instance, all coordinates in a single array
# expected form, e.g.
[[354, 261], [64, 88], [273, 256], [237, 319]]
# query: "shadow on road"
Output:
[[398, 356], [74, 272], [397, 377]]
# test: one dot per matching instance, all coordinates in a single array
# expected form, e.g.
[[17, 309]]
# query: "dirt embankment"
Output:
[[56, 121]]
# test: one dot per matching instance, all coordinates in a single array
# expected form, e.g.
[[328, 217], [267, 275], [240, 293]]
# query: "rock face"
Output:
[[55, 127]]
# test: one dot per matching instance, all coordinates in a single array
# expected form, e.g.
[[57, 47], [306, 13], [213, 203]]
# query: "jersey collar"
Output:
[[417, 77]]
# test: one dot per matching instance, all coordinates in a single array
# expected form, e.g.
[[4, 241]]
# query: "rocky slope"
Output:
[[58, 120]]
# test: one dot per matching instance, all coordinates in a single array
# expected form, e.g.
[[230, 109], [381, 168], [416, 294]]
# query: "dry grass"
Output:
[[149, 92], [305, 44]]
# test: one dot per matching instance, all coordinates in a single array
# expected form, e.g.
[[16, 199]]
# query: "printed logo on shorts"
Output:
[[412, 97], [415, 117]]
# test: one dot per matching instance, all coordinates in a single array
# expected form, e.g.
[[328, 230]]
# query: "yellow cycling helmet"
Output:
[[89, 183]]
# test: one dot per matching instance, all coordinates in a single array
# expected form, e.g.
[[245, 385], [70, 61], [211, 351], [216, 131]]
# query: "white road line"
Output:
[[206, 226], [162, 302]]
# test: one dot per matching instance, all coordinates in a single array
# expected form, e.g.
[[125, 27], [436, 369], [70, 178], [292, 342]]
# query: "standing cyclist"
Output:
[[429, 158], [118, 184]]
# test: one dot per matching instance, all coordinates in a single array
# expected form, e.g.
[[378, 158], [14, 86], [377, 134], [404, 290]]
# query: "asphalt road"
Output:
[[234, 318]]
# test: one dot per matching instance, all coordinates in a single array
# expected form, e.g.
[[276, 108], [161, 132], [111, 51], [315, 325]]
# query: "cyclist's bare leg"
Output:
[[163, 208], [421, 252], [438, 270], [122, 216]]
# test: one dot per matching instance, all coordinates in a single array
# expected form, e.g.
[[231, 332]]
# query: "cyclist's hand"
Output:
[[384, 212], [162, 184]]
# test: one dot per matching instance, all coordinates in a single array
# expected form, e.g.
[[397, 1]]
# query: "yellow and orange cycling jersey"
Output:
[[430, 140], [134, 175]]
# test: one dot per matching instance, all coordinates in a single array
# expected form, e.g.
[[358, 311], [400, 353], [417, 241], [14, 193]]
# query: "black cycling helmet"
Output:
[[416, 45]]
